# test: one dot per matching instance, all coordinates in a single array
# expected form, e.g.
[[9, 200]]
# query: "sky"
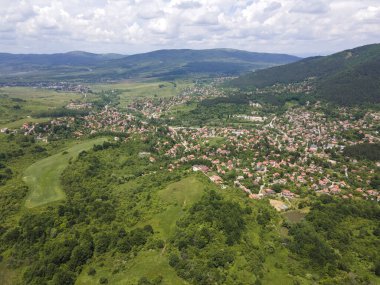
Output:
[[299, 27]]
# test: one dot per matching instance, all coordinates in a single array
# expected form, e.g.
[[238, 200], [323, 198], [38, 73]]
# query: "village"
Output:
[[283, 157]]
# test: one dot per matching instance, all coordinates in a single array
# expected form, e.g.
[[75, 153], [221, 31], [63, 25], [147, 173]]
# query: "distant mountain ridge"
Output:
[[347, 77], [75, 58], [85, 66]]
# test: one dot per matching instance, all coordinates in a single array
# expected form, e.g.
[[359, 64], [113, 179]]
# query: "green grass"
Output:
[[20, 122], [145, 89], [182, 108], [17, 103], [294, 216], [178, 196], [43, 177], [276, 267], [216, 141], [8, 276], [150, 264]]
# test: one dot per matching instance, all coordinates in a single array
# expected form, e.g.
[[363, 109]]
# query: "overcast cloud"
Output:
[[299, 27]]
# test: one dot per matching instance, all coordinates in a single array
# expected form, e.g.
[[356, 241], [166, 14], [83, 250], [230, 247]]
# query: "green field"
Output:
[[20, 122], [18, 104], [134, 90], [179, 196], [43, 177]]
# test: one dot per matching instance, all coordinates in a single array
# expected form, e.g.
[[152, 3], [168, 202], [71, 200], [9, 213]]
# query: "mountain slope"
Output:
[[162, 63], [348, 77], [185, 61]]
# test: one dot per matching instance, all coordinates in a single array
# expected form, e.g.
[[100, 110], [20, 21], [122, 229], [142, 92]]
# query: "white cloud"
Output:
[[131, 26]]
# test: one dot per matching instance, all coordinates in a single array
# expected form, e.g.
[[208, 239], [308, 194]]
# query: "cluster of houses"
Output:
[[156, 107], [286, 153], [286, 158]]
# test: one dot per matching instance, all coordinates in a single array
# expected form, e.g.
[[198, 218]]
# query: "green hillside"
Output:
[[347, 77], [82, 66]]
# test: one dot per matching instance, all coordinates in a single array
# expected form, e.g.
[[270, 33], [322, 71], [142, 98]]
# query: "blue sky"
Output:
[[301, 27]]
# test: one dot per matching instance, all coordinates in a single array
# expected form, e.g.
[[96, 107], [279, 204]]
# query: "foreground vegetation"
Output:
[[122, 215]]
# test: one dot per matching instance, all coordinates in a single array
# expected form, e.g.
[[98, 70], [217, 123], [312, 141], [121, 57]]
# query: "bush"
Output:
[[91, 271]]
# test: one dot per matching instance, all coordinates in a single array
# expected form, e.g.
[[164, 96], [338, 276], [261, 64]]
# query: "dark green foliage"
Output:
[[61, 112], [264, 217], [204, 240], [330, 240], [81, 254], [60, 252], [349, 77], [370, 151], [102, 242], [375, 182], [63, 277], [211, 113], [91, 271], [222, 215], [136, 238], [307, 242], [145, 281], [377, 269]]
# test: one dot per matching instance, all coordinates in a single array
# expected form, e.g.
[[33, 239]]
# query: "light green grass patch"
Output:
[[179, 196], [294, 216], [19, 123], [216, 141], [145, 89], [149, 264], [30, 101], [43, 177]]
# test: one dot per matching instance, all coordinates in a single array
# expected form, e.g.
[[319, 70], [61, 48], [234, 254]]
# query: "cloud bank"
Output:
[[132, 26]]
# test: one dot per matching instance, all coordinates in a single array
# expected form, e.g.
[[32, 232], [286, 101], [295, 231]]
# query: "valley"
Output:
[[191, 180]]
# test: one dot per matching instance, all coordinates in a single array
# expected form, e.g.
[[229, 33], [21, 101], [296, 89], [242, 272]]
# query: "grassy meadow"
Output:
[[132, 90], [43, 177], [19, 104]]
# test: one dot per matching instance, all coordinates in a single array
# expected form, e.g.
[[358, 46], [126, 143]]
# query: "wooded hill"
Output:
[[348, 77], [88, 67]]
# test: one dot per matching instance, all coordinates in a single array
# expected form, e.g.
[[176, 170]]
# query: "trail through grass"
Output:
[[43, 177]]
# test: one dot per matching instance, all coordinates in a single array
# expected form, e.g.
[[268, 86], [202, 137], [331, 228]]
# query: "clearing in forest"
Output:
[[43, 177]]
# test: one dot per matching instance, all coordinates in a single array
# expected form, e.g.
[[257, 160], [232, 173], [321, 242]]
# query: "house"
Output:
[[216, 179], [202, 168], [267, 192], [313, 148], [287, 194], [255, 196]]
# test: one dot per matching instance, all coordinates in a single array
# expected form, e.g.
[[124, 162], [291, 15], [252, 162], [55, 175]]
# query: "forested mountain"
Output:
[[348, 77], [162, 63]]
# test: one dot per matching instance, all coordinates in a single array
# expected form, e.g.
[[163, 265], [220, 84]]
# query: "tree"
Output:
[[63, 277]]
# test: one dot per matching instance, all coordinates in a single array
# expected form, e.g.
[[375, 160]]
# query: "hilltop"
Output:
[[348, 77], [89, 67]]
